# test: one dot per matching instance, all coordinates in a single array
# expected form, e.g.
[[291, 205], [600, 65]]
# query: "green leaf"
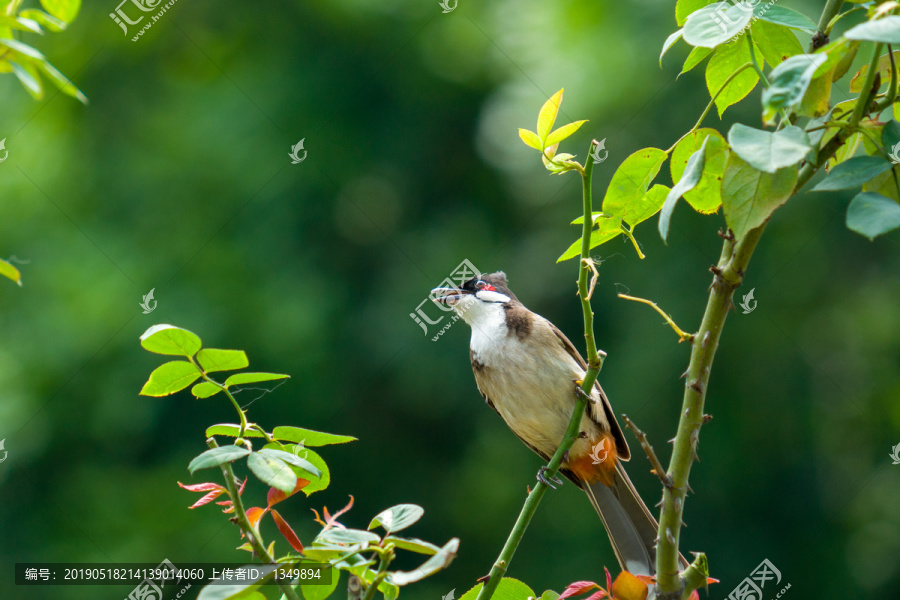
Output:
[[320, 591], [244, 378], [726, 60], [64, 10], [315, 483], [630, 181], [646, 207], [171, 340], [508, 589], [23, 49], [217, 456], [609, 228], [886, 31], [684, 9], [309, 437], [439, 561], [788, 83], [272, 471], [21, 23], [781, 15], [244, 590], [60, 81], [169, 378], [776, 42], [549, 595], [768, 151], [547, 116], [47, 20], [231, 430], [872, 214], [531, 139], [693, 59], [750, 196], [715, 24], [670, 41], [205, 389], [817, 100], [390, 591], [10, 272], [563, 132], [853, 173], [397, 517], [292, 459], [890, 137], [348, 536], [706, 197], [884, 69], [212, 359], [412, 544], [30, 78], [692, 173]]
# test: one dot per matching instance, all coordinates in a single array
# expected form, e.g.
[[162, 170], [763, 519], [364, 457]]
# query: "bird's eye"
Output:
[[480, 284]]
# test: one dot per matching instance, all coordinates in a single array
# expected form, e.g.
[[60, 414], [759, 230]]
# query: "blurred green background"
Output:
[[176, 177]]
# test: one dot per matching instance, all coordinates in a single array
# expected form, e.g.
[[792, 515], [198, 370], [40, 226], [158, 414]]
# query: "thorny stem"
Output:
[[595, 363], [728, 275], [251, 533], [648, 450]]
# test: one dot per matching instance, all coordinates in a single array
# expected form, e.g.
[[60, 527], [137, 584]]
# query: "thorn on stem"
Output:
[[707, 419]]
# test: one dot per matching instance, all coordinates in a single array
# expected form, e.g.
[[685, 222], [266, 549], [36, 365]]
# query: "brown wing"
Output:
[[616, 431]]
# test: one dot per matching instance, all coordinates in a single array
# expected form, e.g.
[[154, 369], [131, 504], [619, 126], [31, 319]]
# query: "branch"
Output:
[[240, 517], [595, 363], [658, 469], [682, 335]]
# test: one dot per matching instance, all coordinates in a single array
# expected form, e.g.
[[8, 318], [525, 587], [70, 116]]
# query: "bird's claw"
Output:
[[580, 393], [548, 481]]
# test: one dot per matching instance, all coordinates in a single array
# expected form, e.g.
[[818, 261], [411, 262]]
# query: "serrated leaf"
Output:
[[10, 272], [750, 196], [231, 430], [309, 437], [64, 10], [692, 173], [397, 517], [213, 359], [205, 389], [547, 115], [781, 15], [724, 62], [170, 340], [563, 132], [272, 471], [169, 378], [715, 24], [292, 459], [531, 139], [776, 42], [217, 456], [788, 83], [440, 560], [853, 173], [769, 151], [871, 214], [245, 378], [670, 41], [886, 31], [706, 197]]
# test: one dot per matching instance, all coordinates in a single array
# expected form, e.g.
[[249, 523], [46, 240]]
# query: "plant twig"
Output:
[[682, 335], [658, 469], [251, 532], [595, 363]]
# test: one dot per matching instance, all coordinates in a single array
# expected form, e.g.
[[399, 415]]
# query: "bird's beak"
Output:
[[443, 295]]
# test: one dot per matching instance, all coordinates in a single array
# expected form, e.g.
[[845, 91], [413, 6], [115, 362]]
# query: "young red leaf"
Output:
[[287, 532], [255, 513], [201, 487], [229, 506], [608, 579], [331, 521], [275, 495], [579, 587], [628, 587]]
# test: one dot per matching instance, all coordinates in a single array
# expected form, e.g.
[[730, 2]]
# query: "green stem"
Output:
[[832, 8], [382, 573], [595, 363], [247, 528], [630, 236], [234, 402]]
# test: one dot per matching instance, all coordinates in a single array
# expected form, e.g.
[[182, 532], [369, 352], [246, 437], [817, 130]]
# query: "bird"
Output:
[[529, 372]]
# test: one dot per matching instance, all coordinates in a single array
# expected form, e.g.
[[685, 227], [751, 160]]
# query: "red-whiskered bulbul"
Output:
[[527, 370]]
